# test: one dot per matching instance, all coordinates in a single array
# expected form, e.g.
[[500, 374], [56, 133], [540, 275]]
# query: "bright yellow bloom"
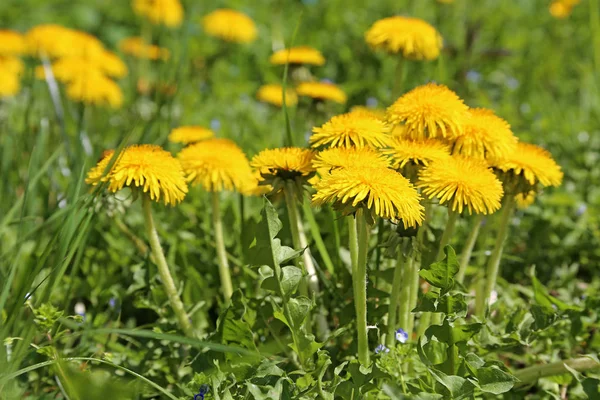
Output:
[[560, 9], [485, 136], [216, 165], [429, 111], [284, 163], [10, 84], [524, 200], [273, 94], [111, 64], [321, 91], [144, 166], [11, 43], [230, 26], [532, 163], [95, 89], [190, 134], [383, 191], [354, 129], [57, 41], [136, 47], [10, 65], [253, 186], [463, 183], [376, 112], [413, 37], [340, 157], [297, 55], [165, 12], [418, 152]]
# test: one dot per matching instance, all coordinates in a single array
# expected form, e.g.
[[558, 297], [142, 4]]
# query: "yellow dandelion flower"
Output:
[[285, 163], [11, 43], [463, 183], [57, 41], [417, 152], [135, 46], [253, 187], [10, 65], [445, 1], [273, 94], [484, 136], [560, 9], [111, 64], [533, 163], [354, 129], [144, 166], [95, 89], [383, 191], [524, 200], [190, 134], [413, 37], [160, 12], [230, 25], [216, 165], [429, 111], [10, 84], [340, 157], [321, 91], [297, 55], [376, 112]]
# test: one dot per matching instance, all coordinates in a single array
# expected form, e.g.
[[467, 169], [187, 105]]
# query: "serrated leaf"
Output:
[[494, 380], [441, 274], [299, 309], [543, 298], [290, 280], [459, 388], [452, 333], [432, 302]]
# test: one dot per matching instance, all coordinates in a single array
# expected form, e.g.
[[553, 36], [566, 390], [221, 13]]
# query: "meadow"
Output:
[[299, 199]]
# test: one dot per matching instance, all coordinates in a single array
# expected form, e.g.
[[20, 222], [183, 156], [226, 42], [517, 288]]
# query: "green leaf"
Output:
[[431, 351], [458, 387], [591, 387], [441, 274], [232, 327], [544, 299], [299, 309], [432, 302], [452, 333], [290, 280], [494, 380]]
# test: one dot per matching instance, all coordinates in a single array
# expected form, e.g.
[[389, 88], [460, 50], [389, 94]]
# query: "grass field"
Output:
[[222, 289]]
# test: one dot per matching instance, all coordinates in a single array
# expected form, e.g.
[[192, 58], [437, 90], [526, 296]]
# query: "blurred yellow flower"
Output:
[[11, 65], [340, 157], [230, 26], [144, 166], [413, 37], [95, 89], [160, 12], [70, 68], [354, 129], [190, 134], [273, 94], [376, 112], [10, 84], [136, 47], [297, 55], [383, 191], [321, 91], [418, 152], [429, 111], [532, 163], [216, 165], [463, 183], [11, 43], [524, 200], [55, 41], [484, 136], [284, 163], [560, 9]]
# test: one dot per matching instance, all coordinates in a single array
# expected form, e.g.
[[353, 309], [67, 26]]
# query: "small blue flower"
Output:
[[381, 349], [204, 389], [372, 102], [215, 124], [401, 335], [112, 302]]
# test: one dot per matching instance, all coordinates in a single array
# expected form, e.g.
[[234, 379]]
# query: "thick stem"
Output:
[[494, 262], [414, 279], [406, 293], [398, 283], [163, 269], [360, 284], [532, 374], [352, 241], [465, 257], [224, 272], [448, 232], [316, 235]]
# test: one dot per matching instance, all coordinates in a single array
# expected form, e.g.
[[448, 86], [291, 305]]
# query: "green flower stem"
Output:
[[493, 265], [406, 293], [316, 235], [360, 287], [399, 283], [224, 272], [352, 241], [529, 375], [448, 232], [414, 277], [465, 257], [163, 269]]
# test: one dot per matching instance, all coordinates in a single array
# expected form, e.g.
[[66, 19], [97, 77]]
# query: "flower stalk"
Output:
[[224, 271], [529, 375], [465, 257], [399, 280], [359, 277], [163, 269]]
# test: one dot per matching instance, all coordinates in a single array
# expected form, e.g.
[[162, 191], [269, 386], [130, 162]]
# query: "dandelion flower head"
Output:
[[284, 163], [321, 91], [297, 55], [342, 157], [416, 152], [56, 41], [135, 46], [429, 111], [381, 191], [353, 129], [11, 43], [145, 166], [273, 94], [524, 200], [216, 165], [165, 12], [190, 134], [413, 37], [532, 163], [230, 25], [462, 182], [95, 89]]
